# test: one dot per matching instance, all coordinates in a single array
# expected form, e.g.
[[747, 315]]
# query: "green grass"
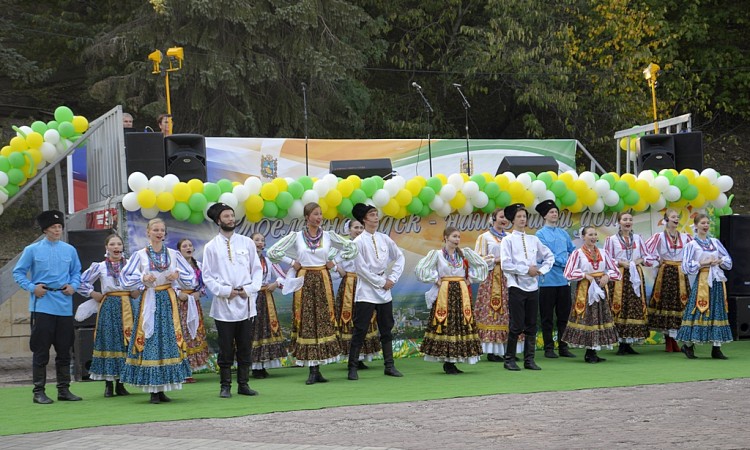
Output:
[[285, 390]]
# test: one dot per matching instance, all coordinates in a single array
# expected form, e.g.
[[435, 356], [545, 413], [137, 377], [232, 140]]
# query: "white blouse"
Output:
[[659, 247]]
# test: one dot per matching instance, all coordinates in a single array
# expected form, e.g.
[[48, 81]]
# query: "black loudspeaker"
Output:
[[522, 164], [688, 150], [363, 168], [144, 152], [90, 247], [186, 156], [83, 352], [739, 317], [657, 152], [733, 233]]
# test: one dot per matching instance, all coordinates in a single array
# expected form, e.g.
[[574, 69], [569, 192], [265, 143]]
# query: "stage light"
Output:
[[175, 56], [650, 73], [156, 57], [175, 53]]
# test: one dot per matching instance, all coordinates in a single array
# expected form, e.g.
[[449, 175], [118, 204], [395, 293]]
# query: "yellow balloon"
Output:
[[421, 180], [269, 191], [528, 199], [280, 184], [502, 181], [711, 192], [314, 179], [624, 144], [580, 187], [443, 178], [35, 154], [355, 181], [323, 206], [195, 185], [413, 186], [567, 179], [254, 204], [465, 177], [254, 217], [235, 183], [699, 201], [700, 182], [642, 205], [181, 192], [516, 189], [34, 140], [679, 204], [576, 207], [146, 198], [689, 174], [589, 197], [487, 177], [459, 200], [6, 151], [345, 187], [403, 197], [80, 124], [391, 208], [629, 178], [330, 214], [553, 175], [165, 201], [651, 195], [18, 144], [402, 212], [333, 198]]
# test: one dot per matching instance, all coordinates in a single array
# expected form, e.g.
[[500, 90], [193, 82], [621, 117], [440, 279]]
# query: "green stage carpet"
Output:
[[285, 390]]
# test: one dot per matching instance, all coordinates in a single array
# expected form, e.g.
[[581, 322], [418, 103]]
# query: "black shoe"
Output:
[[590, 356], [319, 377], [163, 397], [120, 389], [244, 389], [510, 364], [312, 378], [550, 354], [265, 373], [226, 392], [565, 352], [258, 374], [494, 358], [352, 374], [450, 368], [531, 365], [622, 350], [155, 398], [392, 372], [41, 398], [109, 389], [598, 359], [361, 365], [717, 354], [688, 351], [629, 349], [64, 394]]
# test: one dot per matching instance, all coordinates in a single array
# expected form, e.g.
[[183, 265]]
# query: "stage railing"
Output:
[[669, 126]]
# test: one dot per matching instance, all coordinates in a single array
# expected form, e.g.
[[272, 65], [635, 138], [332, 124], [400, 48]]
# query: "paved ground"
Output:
[[710, 414]]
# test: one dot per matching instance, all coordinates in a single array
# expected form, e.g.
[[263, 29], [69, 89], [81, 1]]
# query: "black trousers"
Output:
[[361, 321], [235, 338], [522, 310], [49, 330], [554, 300]]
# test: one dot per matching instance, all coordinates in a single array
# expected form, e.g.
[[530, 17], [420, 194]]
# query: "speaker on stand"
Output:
[[688, 150], [361, 167], [657, 152], [733, 234], [522, 164], [186, 156], [144, 152]]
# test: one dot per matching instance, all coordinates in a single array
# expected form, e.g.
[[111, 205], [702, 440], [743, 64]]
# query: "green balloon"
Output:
[[66, 129], [632, 198], [478, 179], [306, 182], [39, 126], [345, 207], [532, 175], [197, 202], [415, 206], [52, 125], [284, 200], [368, 186], [609, 178], [379, 181], [503, 199], [270, 209], [212, 191], [296, 189], [181, 211], [358, 196], [545, 177], [196, 217], [491, 189], [569, 198], [434, 183], [681, 182], [426, 195], [63, 114], [489, 207], [15, 176], [281, 213], [4, 164], [559, 188], [622, 188], [426, 211], [12, 189], [690, 193], [17, 160], [225, 185], [619, 206]]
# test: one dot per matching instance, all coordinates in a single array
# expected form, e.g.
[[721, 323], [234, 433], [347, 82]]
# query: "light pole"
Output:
[[175, 55], [650, 74]]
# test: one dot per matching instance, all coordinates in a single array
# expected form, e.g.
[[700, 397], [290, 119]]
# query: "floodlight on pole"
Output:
[[650, 73], [175, 56]]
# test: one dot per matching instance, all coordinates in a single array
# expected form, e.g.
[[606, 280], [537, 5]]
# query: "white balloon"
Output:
[[456, 180], [253, 185], [130, 202], [157, 184], [391, 187], [229, 199], [547, 195], [633, 156], [3, 197], [436, 203], [52, 136], [661, 183], [601, 187], [241, 192], [309, 197], [381, 197], [321, 188], [710, 174], [331, 181], [660, 204], [137, 181], [470, 189], [239, 211], [672, 193], [149, 213], [467, 209], [524, 179], [400, 181], [480, 200], [25, 129], [447, 192], [3, 180], [60, 147], [296, 210], [598, 206], [611, 198], [724, 183], [445, 210], [538, 188], [510, 176], [573, 174], [588, 178], [721, 201], [170, 181]]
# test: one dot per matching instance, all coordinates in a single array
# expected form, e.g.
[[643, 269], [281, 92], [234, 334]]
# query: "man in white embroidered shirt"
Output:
[[373, 294], [233, 273], [520, 253]]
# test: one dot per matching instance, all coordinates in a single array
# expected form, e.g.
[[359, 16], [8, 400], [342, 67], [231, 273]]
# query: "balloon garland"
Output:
[[398, 197], [34, 146]]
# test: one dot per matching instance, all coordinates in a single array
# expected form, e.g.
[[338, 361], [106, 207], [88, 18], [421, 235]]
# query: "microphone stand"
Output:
[[427, 108], [466, 106], [304, 102]]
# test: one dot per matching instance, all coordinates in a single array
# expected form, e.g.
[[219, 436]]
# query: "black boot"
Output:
[[361, 365], [631, 351], [549, 344], [225, 378], [510, 353], [390, 365], [529, 349], [564, 351], [716, 353], [120, 389], [63, 385], [154, 398], [258, 374], [688, 351], [352, 375], [319, 376], [109, 389], [450, 368], [313, 376], [623, 350], [590, 356], [163, 397], [39, 375], [243, 377]]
